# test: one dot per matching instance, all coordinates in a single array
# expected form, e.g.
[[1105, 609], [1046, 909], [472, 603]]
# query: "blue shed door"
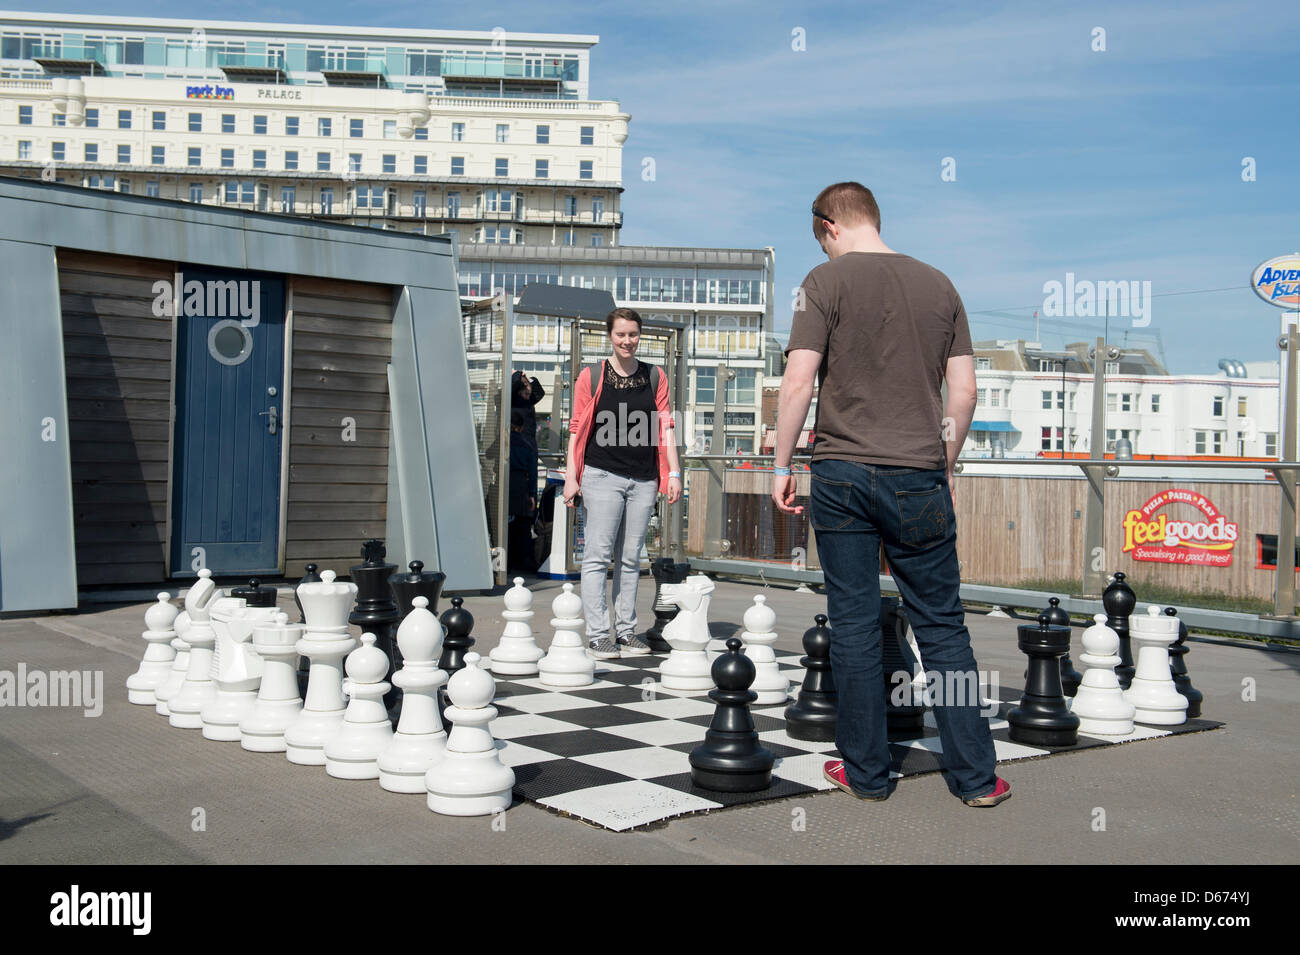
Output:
[[229, 408]]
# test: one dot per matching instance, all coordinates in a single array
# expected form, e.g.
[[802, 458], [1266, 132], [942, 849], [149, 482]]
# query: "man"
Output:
[[523, 498], [884, 331], [525, 393]]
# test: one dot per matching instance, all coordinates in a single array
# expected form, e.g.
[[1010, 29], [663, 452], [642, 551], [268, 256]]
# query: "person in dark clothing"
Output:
[[523, 497], [525, 393]]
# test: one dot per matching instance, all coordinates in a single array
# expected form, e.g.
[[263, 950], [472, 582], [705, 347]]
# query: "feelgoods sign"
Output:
[[1157, 538]]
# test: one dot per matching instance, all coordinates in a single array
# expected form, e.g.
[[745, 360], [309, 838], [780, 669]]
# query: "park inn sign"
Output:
[[1158, 539]]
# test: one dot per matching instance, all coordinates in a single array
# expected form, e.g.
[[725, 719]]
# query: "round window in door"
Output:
[[229, 342]]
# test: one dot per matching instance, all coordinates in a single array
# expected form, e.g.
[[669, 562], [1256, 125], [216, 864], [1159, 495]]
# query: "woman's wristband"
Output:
[[780, 471], [675, 474]]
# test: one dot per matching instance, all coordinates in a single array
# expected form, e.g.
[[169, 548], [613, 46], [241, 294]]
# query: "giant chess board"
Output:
[[614, 753]]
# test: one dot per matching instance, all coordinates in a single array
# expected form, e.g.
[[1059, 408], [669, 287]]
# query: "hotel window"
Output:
[[588, 136], [1270, 444], [92, 118], [982, 364], [291, 159], [1218, 406], [981, 397], [287, 196], [151, 188], [503, 132], [124, 155], [59, 119], [24, 116], [196, 192], [570, 205], [25, 148], [354, 162], [291, 125], [597, 208], [92, 152], [123, 119], [1241, 407], [420, 165], [570, 237], [1126, 401], [259, 158], [327, 201], [494, 201], [419, 205], [323, 126], [195, 121], [1072, 400], [995, 398], [259, 125], [457, 132], [1112, 401], [1047, 400], [227, 159], [1112, 368], [227, 122], [124, 186], [356, 128], [322, 162], [57, 151], [597, 240], [542, 169], [1155, 404], [421, 134], [1200, 444], [458, 165], [519, 237], [453, 205], [1046, 364], [159, 119], [390, 129], [585, 169], [543, 135], [390, 163], [503, 167]]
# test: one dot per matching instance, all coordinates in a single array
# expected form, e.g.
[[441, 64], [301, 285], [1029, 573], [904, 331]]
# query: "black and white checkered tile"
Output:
[[615, 753]]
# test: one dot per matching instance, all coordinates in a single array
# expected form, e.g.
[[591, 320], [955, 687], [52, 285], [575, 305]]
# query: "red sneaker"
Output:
[[834, 771], [1001, 791]]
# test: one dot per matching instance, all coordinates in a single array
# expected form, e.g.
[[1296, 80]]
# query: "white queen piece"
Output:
[[325, 604]]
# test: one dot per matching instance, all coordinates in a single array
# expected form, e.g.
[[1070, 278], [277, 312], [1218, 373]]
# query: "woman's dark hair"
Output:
[[618, 313]]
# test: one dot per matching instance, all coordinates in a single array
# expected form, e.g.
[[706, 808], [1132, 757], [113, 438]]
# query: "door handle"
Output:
[[273, 415]]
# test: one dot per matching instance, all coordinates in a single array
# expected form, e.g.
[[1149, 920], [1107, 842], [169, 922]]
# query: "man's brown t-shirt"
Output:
[[886, 325]]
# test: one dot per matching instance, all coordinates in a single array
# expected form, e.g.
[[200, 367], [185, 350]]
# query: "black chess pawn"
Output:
[[665, 571], [812, 715], [731, 759], [459, 622], [905, 718], [1178, 669], [310, 577], [1042, 717], [254, 595], [376, 611], [1118, 600]]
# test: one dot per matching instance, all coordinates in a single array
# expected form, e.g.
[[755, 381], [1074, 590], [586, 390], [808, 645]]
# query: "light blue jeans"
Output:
[[615, 514]]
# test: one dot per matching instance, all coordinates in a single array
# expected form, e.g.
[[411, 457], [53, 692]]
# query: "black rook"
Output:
[[1042, 718]]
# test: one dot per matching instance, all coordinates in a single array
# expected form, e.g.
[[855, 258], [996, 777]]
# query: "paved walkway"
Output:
[[125, 787]]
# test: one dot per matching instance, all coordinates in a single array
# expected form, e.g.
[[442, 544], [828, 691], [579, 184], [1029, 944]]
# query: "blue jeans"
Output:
[[855, 507]]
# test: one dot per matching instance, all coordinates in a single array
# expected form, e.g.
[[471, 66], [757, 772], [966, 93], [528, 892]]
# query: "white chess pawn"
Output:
[[236, 668], [758, 636], [470, 779], [326, 642], [420, 740], [1152, 689], [156, 665], [353, 752], [184, 709], [517, 653], [180, 665], [1099, 702], [567, 662], [278, 703], [688, 666]]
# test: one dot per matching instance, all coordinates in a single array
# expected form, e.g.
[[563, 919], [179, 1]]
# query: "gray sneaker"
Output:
[[633, 644], [603, 649]]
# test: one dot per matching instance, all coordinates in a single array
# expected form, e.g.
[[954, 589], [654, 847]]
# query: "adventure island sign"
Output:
[[1157, 538]]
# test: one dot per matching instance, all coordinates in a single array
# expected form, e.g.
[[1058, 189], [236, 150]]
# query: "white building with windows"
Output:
[[1032, 402], [490, 135]]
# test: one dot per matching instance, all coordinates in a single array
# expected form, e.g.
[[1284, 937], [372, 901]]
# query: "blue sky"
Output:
[[1117, 165]]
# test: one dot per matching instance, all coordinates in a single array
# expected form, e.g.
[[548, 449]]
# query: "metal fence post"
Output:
[[1284, 587], [1094, 540], [715, 516]]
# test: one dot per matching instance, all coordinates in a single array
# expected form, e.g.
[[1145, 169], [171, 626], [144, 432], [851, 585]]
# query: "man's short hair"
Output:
[[848, 203], [618, 313]]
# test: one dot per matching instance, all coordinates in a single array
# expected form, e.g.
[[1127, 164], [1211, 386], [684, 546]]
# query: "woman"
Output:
[[621, 457]]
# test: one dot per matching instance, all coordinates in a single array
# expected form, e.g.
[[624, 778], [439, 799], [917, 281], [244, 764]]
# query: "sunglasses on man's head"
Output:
[[821, 215]]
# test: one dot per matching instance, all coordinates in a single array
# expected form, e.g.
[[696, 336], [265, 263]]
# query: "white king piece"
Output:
[[325, 605], [1152, 690]]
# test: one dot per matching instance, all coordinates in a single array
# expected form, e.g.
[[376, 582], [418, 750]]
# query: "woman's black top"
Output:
[[624, 432]]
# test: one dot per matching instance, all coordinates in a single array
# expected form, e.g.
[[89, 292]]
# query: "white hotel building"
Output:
[[489, 136]]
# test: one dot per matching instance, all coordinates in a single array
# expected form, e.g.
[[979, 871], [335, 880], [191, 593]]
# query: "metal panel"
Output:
[[37, 549]]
